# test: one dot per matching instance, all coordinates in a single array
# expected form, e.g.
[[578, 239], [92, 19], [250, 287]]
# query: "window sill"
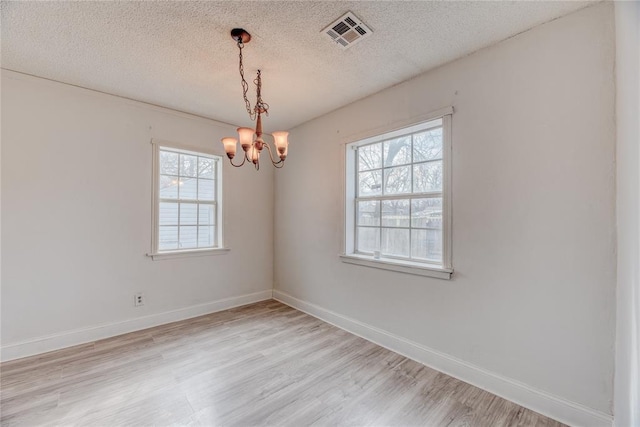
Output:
[[399, 266], [191, 253]]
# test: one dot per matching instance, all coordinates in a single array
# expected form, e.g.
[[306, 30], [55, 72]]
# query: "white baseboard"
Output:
[[85, 335], [571, 413]]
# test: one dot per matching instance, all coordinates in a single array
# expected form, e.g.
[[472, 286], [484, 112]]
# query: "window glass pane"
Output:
[[167, 238], [206, 189], [370, 157], [369, 212], [206, 215], [188, 188], [397, 180], [427, 177], [395, 242], [168, 163], [205, 167], [397, 151], [168, 187], [427, 145], [426, 213], [188, 165], [368, 239], [168, 214], [390, 211], [186, 210], [206, 237], [370, 183], [426, 244], [395, 213], [188, 214], [188, 237]]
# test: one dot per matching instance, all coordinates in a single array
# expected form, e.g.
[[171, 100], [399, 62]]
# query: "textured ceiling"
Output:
[[180, 55]]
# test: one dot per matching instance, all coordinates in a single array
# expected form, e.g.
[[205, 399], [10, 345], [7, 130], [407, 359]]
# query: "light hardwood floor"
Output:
[[262, 364]]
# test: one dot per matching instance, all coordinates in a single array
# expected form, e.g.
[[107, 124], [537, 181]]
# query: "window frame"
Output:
[[218, 204], [349, 253]]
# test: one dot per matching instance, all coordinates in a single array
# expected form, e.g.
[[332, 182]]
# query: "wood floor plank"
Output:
[[262, 364]]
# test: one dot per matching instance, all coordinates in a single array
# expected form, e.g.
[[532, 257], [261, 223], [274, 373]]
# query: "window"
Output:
[[397, 204], [187, 211]]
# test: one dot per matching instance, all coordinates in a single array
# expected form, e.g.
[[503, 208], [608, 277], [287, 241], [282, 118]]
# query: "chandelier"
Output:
[[251, 140]]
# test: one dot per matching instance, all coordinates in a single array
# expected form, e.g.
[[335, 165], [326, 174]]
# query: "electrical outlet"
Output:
[[138, 299]]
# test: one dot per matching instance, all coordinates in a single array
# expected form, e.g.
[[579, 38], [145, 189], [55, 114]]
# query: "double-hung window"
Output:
[[187, 201], [397, 199]]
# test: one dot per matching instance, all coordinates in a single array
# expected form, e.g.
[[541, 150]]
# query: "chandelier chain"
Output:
[[261, 106], [245, 85]]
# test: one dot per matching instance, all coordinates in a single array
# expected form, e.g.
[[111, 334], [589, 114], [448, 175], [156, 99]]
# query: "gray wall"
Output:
[[533, 294], [76, 219]]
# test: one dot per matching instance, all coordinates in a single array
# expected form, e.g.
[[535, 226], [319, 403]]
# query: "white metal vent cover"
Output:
[[347, 30]]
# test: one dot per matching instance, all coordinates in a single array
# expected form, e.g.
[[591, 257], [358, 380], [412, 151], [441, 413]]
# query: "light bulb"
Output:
[[246, 137], [281, 142], [230, 146]]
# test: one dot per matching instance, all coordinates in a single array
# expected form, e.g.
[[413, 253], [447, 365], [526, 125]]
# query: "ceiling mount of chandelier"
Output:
[[251, 140]]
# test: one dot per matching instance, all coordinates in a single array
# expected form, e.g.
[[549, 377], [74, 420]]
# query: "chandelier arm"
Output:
[[271, 156], [245, 85], [246, 155], [237, 166]]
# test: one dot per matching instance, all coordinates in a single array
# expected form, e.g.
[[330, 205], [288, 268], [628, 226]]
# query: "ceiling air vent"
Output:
[[347, 31]]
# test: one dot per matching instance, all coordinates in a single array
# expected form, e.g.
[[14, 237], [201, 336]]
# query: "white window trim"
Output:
[[161, 255], [348, 254], [187, 253]]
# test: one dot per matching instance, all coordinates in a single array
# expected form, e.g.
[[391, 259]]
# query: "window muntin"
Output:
[[187, 207], [398, 195]]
